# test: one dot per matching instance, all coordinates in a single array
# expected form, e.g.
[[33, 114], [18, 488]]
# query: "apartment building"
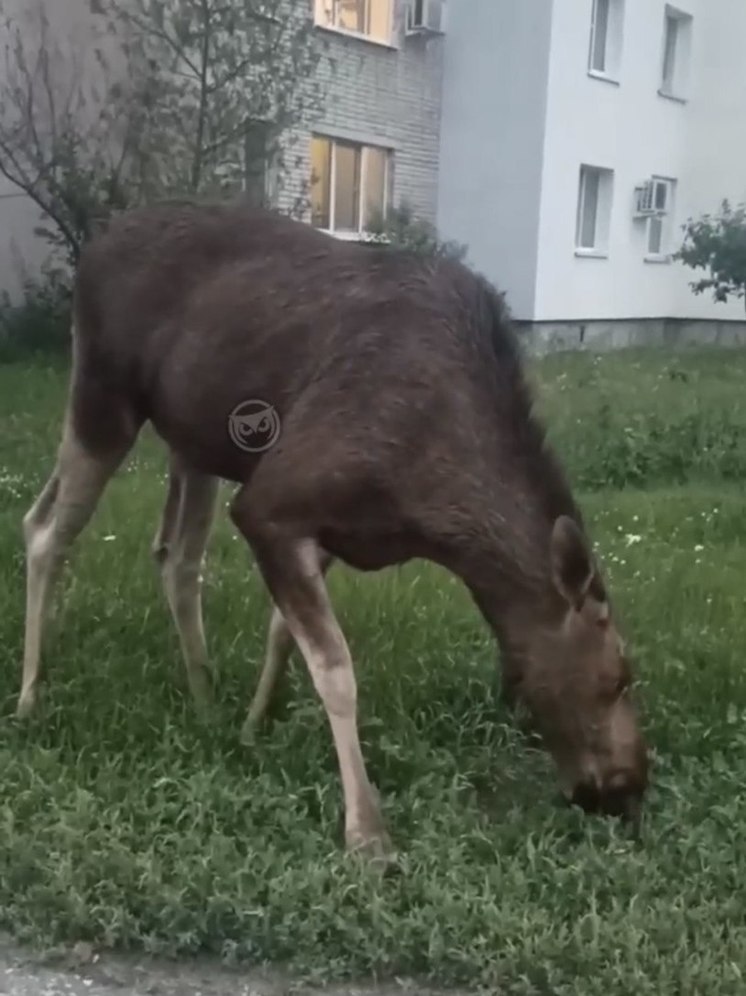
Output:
[[577, 136], [565, 142]]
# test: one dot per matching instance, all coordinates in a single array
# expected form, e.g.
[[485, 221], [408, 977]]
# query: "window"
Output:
[[594, 211], [677, 34], [371, 18], [658, 221], [607, 24], [349, 184], [258, 173], [599, 35]]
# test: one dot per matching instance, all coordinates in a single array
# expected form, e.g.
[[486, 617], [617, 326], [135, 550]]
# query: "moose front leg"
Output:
[[292, 570]]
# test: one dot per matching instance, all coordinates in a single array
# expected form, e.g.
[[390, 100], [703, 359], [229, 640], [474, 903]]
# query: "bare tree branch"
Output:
[[148, 27], [161, 102]]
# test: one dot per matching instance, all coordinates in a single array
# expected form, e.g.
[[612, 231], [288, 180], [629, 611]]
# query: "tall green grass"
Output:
[[126, 821]]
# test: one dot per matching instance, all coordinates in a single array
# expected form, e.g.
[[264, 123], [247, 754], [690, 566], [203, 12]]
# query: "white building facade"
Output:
[[578, 136]]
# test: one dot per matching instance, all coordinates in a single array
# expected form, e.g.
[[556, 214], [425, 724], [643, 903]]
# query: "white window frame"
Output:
[[361, 232], [604, 194], [664, 218], [326, 16], [610, 12], [675, 53]]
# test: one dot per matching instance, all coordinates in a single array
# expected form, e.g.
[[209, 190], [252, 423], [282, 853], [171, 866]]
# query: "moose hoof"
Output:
[[374, 848], [203, 694], [26, 705], [249, 731]]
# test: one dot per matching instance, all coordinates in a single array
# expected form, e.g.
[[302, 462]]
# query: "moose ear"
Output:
[[572, 563]]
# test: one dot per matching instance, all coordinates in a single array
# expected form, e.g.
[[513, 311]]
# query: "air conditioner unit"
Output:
[[651, 198], [425, 17]]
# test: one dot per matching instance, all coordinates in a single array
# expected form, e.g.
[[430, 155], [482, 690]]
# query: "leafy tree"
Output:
[[718, 246], [403, 229], [231, 83]]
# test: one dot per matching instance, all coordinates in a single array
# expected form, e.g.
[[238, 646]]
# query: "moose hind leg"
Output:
[[292, 571], [50, 527], [280, 645], [179, 549]]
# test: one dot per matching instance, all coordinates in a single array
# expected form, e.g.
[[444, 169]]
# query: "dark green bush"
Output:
[[40, 322], [652, 450], [403, 229]]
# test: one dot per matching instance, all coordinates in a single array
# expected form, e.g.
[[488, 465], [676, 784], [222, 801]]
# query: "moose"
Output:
[[406, 430]]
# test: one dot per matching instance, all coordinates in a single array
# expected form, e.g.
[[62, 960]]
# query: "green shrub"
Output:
[[403, 229], [40, 322], [717, 245], [651, 449]]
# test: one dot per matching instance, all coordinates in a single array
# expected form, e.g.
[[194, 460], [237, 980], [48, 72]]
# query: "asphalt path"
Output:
[[81, 972]]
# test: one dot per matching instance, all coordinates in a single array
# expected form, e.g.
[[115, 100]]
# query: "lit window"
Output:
[[594, 210], [371, 18], [349, 185]]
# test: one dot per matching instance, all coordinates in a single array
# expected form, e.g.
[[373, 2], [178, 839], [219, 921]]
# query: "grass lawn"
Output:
[[125, 821]]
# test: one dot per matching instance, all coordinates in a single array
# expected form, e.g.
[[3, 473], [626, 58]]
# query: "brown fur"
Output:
[[406, 431]]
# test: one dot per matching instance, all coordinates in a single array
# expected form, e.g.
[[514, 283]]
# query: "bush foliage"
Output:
[[717, 245], [402, 228], [40, 321]]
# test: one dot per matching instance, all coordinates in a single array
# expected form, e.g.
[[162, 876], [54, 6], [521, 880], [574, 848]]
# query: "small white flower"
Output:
[[109, 538], [632, 538], [698, 548]]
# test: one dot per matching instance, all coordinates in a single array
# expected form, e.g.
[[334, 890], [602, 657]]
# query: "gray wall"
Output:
[[492, 133], [602, 336], [21, 252]]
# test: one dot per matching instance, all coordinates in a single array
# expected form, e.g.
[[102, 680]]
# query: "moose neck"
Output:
[[510, 584], [505, 562]]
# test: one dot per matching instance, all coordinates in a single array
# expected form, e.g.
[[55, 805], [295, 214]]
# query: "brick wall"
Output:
[[385, 95]]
